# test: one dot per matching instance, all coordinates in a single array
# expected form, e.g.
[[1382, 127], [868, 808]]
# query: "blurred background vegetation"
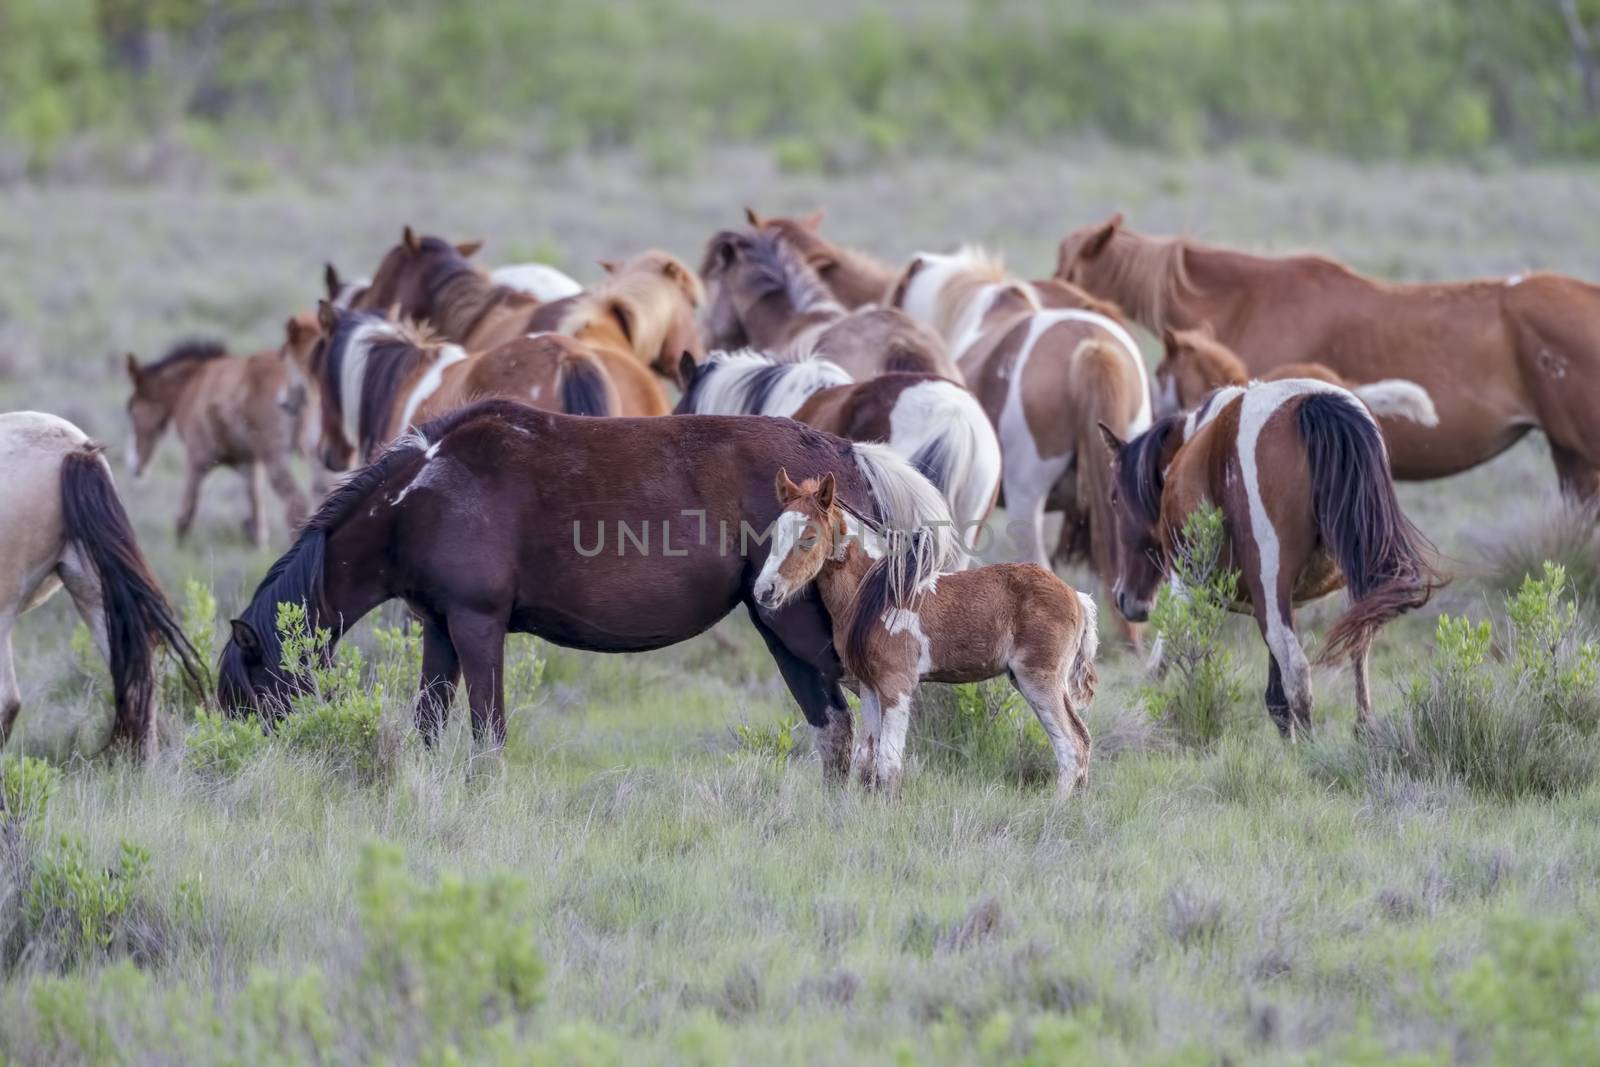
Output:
[[828, 84]]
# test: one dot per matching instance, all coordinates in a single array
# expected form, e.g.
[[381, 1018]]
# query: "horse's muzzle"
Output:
[[1132, 608]]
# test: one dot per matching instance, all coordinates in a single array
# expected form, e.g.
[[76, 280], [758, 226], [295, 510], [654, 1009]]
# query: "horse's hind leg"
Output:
[[1068, 735], [192, 478], [10, 692], [480, 642], [441, 669]]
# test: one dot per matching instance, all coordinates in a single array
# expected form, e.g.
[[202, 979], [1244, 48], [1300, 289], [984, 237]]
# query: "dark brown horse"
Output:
[[430, 278], [585, 532], [1498, 358], [1299, 471]]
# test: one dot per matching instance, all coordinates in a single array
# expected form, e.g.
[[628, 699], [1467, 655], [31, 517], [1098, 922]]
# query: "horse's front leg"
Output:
[[193, 476], [479, 640], [889, 754], [255, 526], [441, 669]]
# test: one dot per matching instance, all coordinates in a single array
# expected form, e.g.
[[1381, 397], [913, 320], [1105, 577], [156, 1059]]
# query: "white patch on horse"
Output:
[[428, 384], [133, 449], [538, 279], [947, 413], [897, 621], [535, 391], [1515, 280], [353, 372], [786, 534]]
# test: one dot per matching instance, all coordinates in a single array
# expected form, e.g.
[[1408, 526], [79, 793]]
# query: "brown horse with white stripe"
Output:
[[1299, 471], [375, 379], [764, 296], [1498, 358], [62, 524]]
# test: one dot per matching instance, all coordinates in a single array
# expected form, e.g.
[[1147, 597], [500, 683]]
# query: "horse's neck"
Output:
[[465, 301], [1220, 367], [773, 321], [869, 278], [839, 580]]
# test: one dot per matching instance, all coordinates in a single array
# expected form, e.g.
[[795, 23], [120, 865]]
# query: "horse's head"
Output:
[[1081, 259], [807, 534], [403, 279], [246, 681], [1138, 476], [300, 337], [657, 298], [722, 316], [804, 234], [156, 389], [1193, 364]]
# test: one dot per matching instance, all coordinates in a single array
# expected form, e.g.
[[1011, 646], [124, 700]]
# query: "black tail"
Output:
[[138, 616], [585, 388], [1383, 556]]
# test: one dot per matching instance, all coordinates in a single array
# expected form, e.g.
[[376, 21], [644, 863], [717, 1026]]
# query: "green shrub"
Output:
[[771, 742], [220, 747], [1529, 999], [982, 728], [339, 714], [26, 786], [1199, 686], [80, 905]]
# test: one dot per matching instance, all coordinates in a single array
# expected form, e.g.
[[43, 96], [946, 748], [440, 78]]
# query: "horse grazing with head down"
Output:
[[1299, 471], [501, 518], [899, 621], [1498, 358], [1195, 364], [375, 379], [931, 422], [763, 295], [227, 412], [61, 524], [1045, 378], [428, 278]]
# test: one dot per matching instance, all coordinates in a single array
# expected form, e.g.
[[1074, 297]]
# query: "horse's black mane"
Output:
[[1139, 475], [190, 350]]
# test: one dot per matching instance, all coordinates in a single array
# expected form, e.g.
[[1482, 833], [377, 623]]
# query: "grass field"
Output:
[[632, 879]]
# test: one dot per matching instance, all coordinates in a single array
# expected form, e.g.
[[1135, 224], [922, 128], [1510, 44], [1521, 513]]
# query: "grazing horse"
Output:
[[763, 295], [1498, 358], [375, 379], [1045, 378], [227, 413], [496, 518], [430, 278], [931, 422], [1299, 471], [1196, 364], [61, 524], [640, 319], [1014, 619], [854, 278]]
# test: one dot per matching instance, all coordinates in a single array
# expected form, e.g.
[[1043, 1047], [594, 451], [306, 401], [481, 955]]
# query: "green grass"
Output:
[[689, 896]]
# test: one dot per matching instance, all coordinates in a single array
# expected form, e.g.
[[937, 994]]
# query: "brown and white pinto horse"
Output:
[[1299, 471], [428, 278], [61, 524], [931, 422], [1196, 364], [375, 379], [227, 412], [499, 518], [1498, 358], [764, 296], [1045, 378], [855, 278], [1014, 619]]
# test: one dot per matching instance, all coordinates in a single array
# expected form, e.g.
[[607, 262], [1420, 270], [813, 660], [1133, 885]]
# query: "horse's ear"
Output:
[[610, 266], [787, 490], [687, 369], [825, 492], [813, 221], [1114, 444], [468, 249], [331, 279], [133, 368], [1102, 237], [408, 237], [245, 636], [754, 217], [327, 317]]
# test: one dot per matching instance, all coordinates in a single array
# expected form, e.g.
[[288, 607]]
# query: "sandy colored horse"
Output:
[[1195, 364], [764, 296], [375, 379], [429, 278], [612, 535], [227, 412], [855, 278], [62, 524], [931, 422], [1498, 357], [1015, 619], [1299, 471], [1045, 378]]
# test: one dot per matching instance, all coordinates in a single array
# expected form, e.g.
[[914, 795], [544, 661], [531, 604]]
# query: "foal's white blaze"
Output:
[[428, 384], [787, 532]]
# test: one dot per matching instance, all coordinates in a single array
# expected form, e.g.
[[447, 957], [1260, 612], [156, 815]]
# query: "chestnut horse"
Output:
[[496, 518], [375, 379], [61, 524], [1014, 619], [1196, 364], [764, 296], [227, 412], [1299, 471], [1498, 358], [931, 422], [1045, 378], [428, 278]]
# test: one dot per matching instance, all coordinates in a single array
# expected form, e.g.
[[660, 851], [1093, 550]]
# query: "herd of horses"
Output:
[[820, 437]]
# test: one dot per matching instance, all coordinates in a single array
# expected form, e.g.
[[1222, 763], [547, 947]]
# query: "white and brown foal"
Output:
[[1015, 619]]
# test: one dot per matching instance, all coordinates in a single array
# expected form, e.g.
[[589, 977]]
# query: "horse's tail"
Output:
[[1382, 555], [137, 615], [1398, 398], [1105, 393], [1081, 674], [585, 386], [947, 436]]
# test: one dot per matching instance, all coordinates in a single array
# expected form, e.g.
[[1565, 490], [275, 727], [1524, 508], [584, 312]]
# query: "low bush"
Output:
[[984, 729]]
